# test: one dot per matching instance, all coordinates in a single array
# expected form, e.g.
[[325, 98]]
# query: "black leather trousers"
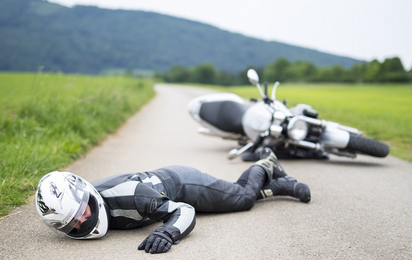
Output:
[[209, 194]]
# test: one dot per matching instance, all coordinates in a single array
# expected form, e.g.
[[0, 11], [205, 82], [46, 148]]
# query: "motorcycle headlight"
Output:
[[297, 129]]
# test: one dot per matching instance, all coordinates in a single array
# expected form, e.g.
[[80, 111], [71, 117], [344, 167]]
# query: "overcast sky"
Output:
[[361, 29]]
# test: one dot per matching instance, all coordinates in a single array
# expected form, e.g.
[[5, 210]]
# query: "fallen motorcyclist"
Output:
[[83, 210]]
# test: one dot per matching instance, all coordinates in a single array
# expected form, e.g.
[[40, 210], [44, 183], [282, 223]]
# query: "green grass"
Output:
[[49, 120], [382, 112]]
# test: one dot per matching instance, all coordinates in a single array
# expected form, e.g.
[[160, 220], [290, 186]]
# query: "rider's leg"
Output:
[[281, 185]]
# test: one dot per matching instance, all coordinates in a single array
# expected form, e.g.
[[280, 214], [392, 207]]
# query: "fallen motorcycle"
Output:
[[290, 132]]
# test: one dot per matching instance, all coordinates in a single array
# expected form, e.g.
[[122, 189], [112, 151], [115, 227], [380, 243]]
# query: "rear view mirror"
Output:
[[253, 76]]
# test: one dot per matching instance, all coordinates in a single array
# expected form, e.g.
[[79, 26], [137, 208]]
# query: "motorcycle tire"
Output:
[[367, 146]]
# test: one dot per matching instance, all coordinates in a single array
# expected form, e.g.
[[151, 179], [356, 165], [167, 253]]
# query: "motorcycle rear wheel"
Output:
[[367, 146]]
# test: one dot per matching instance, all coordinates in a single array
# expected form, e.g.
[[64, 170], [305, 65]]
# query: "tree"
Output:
[[393, 70], [335, 73], [358, 71], [280, 70], [373, 72], [204, 74], [304, 71], [392, 65], [226, 79], [178, 74]]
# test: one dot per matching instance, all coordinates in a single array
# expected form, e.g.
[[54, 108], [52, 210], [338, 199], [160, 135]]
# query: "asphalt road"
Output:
[[360, 209]]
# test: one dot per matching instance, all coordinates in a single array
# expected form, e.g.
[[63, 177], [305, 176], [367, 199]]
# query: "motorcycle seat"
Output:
[[224, 115]]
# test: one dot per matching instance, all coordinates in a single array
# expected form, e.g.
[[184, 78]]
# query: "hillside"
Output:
[[85, 39]]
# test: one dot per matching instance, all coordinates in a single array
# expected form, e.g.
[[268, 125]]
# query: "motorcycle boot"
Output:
[[286, 186], [269, 162]]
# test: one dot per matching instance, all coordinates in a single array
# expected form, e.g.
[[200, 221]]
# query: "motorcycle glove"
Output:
[[156, 242]]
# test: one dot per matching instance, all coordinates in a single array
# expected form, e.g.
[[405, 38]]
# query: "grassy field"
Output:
[[49, 120], [382, 112]]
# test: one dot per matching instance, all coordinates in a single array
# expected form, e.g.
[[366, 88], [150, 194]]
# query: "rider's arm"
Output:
[[178, 218]]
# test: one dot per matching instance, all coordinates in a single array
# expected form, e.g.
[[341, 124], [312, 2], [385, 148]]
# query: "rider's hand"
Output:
[[156, 242]]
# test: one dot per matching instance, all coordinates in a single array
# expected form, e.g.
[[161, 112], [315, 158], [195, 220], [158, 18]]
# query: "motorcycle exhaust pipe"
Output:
[[236, 152]]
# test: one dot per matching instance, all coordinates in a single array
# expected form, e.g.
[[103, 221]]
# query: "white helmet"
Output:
[[62, 198]]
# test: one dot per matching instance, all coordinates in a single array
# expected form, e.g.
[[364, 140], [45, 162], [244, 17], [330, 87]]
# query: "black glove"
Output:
[[156, 242]]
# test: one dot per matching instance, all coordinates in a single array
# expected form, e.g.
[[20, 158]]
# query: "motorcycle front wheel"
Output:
[[367, 146]]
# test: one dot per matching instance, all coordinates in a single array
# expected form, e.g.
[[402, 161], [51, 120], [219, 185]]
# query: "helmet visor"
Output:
[[82, 208], [91, 224]]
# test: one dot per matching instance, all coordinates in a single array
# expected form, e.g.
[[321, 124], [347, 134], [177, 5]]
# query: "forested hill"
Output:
[[85, 39]]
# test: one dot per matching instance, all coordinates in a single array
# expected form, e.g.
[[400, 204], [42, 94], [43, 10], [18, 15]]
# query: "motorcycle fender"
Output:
[[332, 137]]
